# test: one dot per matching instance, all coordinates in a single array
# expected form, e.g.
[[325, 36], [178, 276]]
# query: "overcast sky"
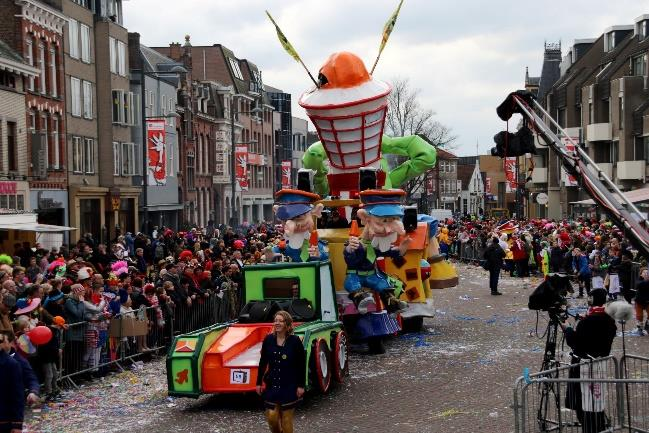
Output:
[[464, 55]]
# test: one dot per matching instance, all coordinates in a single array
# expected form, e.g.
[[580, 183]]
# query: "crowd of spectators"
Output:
[[173, 281], [595, 252]]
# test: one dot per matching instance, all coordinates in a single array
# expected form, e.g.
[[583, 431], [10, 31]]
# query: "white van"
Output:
[[441, 214]]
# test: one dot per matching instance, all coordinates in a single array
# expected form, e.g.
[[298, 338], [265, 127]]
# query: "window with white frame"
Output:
[[84, 32], [190, 171], [129, 108], [121, 57], [87, 99], [199, 143], [170, 110], [46, 137], [125, 107], [117, 160], [236, 70], [41, 66], [73, 37], [638, 65], [56, 157], [112, 48], [29, 58], [88, 155], [32, 122], [53, 72], [77, 155], [75, 96], [171, 159], [118, 106], [163, 105], [128, 159], [152, 104]]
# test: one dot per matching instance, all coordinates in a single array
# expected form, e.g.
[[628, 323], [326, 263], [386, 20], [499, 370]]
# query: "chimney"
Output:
[[134, 57], [174, 51]]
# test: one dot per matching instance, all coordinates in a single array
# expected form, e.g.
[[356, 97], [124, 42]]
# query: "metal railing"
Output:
[[598, 395], [470, 251], [96, 347]]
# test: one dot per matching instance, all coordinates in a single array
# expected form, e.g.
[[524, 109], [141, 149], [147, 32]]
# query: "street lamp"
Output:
[[233, 178]]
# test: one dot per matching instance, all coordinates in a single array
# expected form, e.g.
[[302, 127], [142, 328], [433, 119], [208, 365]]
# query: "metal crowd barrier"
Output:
[[602, 395], [203, 312], [94, 348], [470, 251]]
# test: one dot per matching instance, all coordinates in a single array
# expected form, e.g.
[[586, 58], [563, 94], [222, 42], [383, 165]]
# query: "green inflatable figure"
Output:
[[421, 156]]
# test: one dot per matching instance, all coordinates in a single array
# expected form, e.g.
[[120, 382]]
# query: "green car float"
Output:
[[224, 358]]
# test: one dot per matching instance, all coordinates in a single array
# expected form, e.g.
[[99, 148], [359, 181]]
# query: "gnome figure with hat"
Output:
[[296, 209], [381, 215]]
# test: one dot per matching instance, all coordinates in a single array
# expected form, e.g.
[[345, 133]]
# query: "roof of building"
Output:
[[154, 58], [577, 71], [11, 61], [8, 53], [444, 154], [550, 73], [464, 173], [533, 81]]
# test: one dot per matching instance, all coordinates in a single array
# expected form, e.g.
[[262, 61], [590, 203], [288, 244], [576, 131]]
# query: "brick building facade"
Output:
[[35, 30]]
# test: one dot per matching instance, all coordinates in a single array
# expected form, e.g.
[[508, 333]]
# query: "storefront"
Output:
[[121, 211], [51, 207], [87, 212], [14, 195], [18, 227]]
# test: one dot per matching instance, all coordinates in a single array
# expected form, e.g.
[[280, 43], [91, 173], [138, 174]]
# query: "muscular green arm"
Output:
[[421, 157], [313, 159]]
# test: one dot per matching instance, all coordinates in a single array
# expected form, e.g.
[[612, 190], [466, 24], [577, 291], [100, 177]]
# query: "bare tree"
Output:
[[406, 116]]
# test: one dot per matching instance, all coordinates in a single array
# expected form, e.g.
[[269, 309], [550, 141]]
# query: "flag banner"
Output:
[[241, 157], [510, 174], [156, 152], [488, 185], [284, 41], [389, 26], [568, 179], [286, 174]]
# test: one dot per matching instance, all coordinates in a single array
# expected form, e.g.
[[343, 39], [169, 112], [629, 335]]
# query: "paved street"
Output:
[[456, 375]]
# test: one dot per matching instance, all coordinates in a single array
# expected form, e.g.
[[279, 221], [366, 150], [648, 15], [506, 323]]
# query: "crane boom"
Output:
[[599, 186]]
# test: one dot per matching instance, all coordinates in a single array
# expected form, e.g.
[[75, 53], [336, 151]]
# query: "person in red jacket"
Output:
[[520, 256]]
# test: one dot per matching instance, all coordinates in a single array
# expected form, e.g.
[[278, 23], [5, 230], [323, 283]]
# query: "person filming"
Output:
[[590, 340]]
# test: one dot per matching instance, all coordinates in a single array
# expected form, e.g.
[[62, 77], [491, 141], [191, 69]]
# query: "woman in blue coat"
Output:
[[282, 369]]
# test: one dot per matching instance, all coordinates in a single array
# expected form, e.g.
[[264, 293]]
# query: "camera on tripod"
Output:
[[551, 294]]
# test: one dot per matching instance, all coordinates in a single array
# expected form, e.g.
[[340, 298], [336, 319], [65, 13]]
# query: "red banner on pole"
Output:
[[156, 152], [510, 174], [286, 174], [568, 179], [241, 156], [487, 186]]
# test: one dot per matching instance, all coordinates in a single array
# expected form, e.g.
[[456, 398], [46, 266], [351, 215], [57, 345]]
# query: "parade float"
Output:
[[223, 358], [348, 107], [375, 281]]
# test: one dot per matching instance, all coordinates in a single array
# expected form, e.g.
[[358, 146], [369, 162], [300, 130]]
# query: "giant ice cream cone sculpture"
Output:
[[348, 111]]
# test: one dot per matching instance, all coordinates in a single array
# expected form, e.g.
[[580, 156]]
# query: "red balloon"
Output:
[[40, 335]]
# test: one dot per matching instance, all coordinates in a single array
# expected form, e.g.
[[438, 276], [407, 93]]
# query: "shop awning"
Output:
[[635, 196], [35, 227]]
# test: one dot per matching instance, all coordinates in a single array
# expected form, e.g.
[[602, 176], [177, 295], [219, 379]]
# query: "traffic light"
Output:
[[518, 144]]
